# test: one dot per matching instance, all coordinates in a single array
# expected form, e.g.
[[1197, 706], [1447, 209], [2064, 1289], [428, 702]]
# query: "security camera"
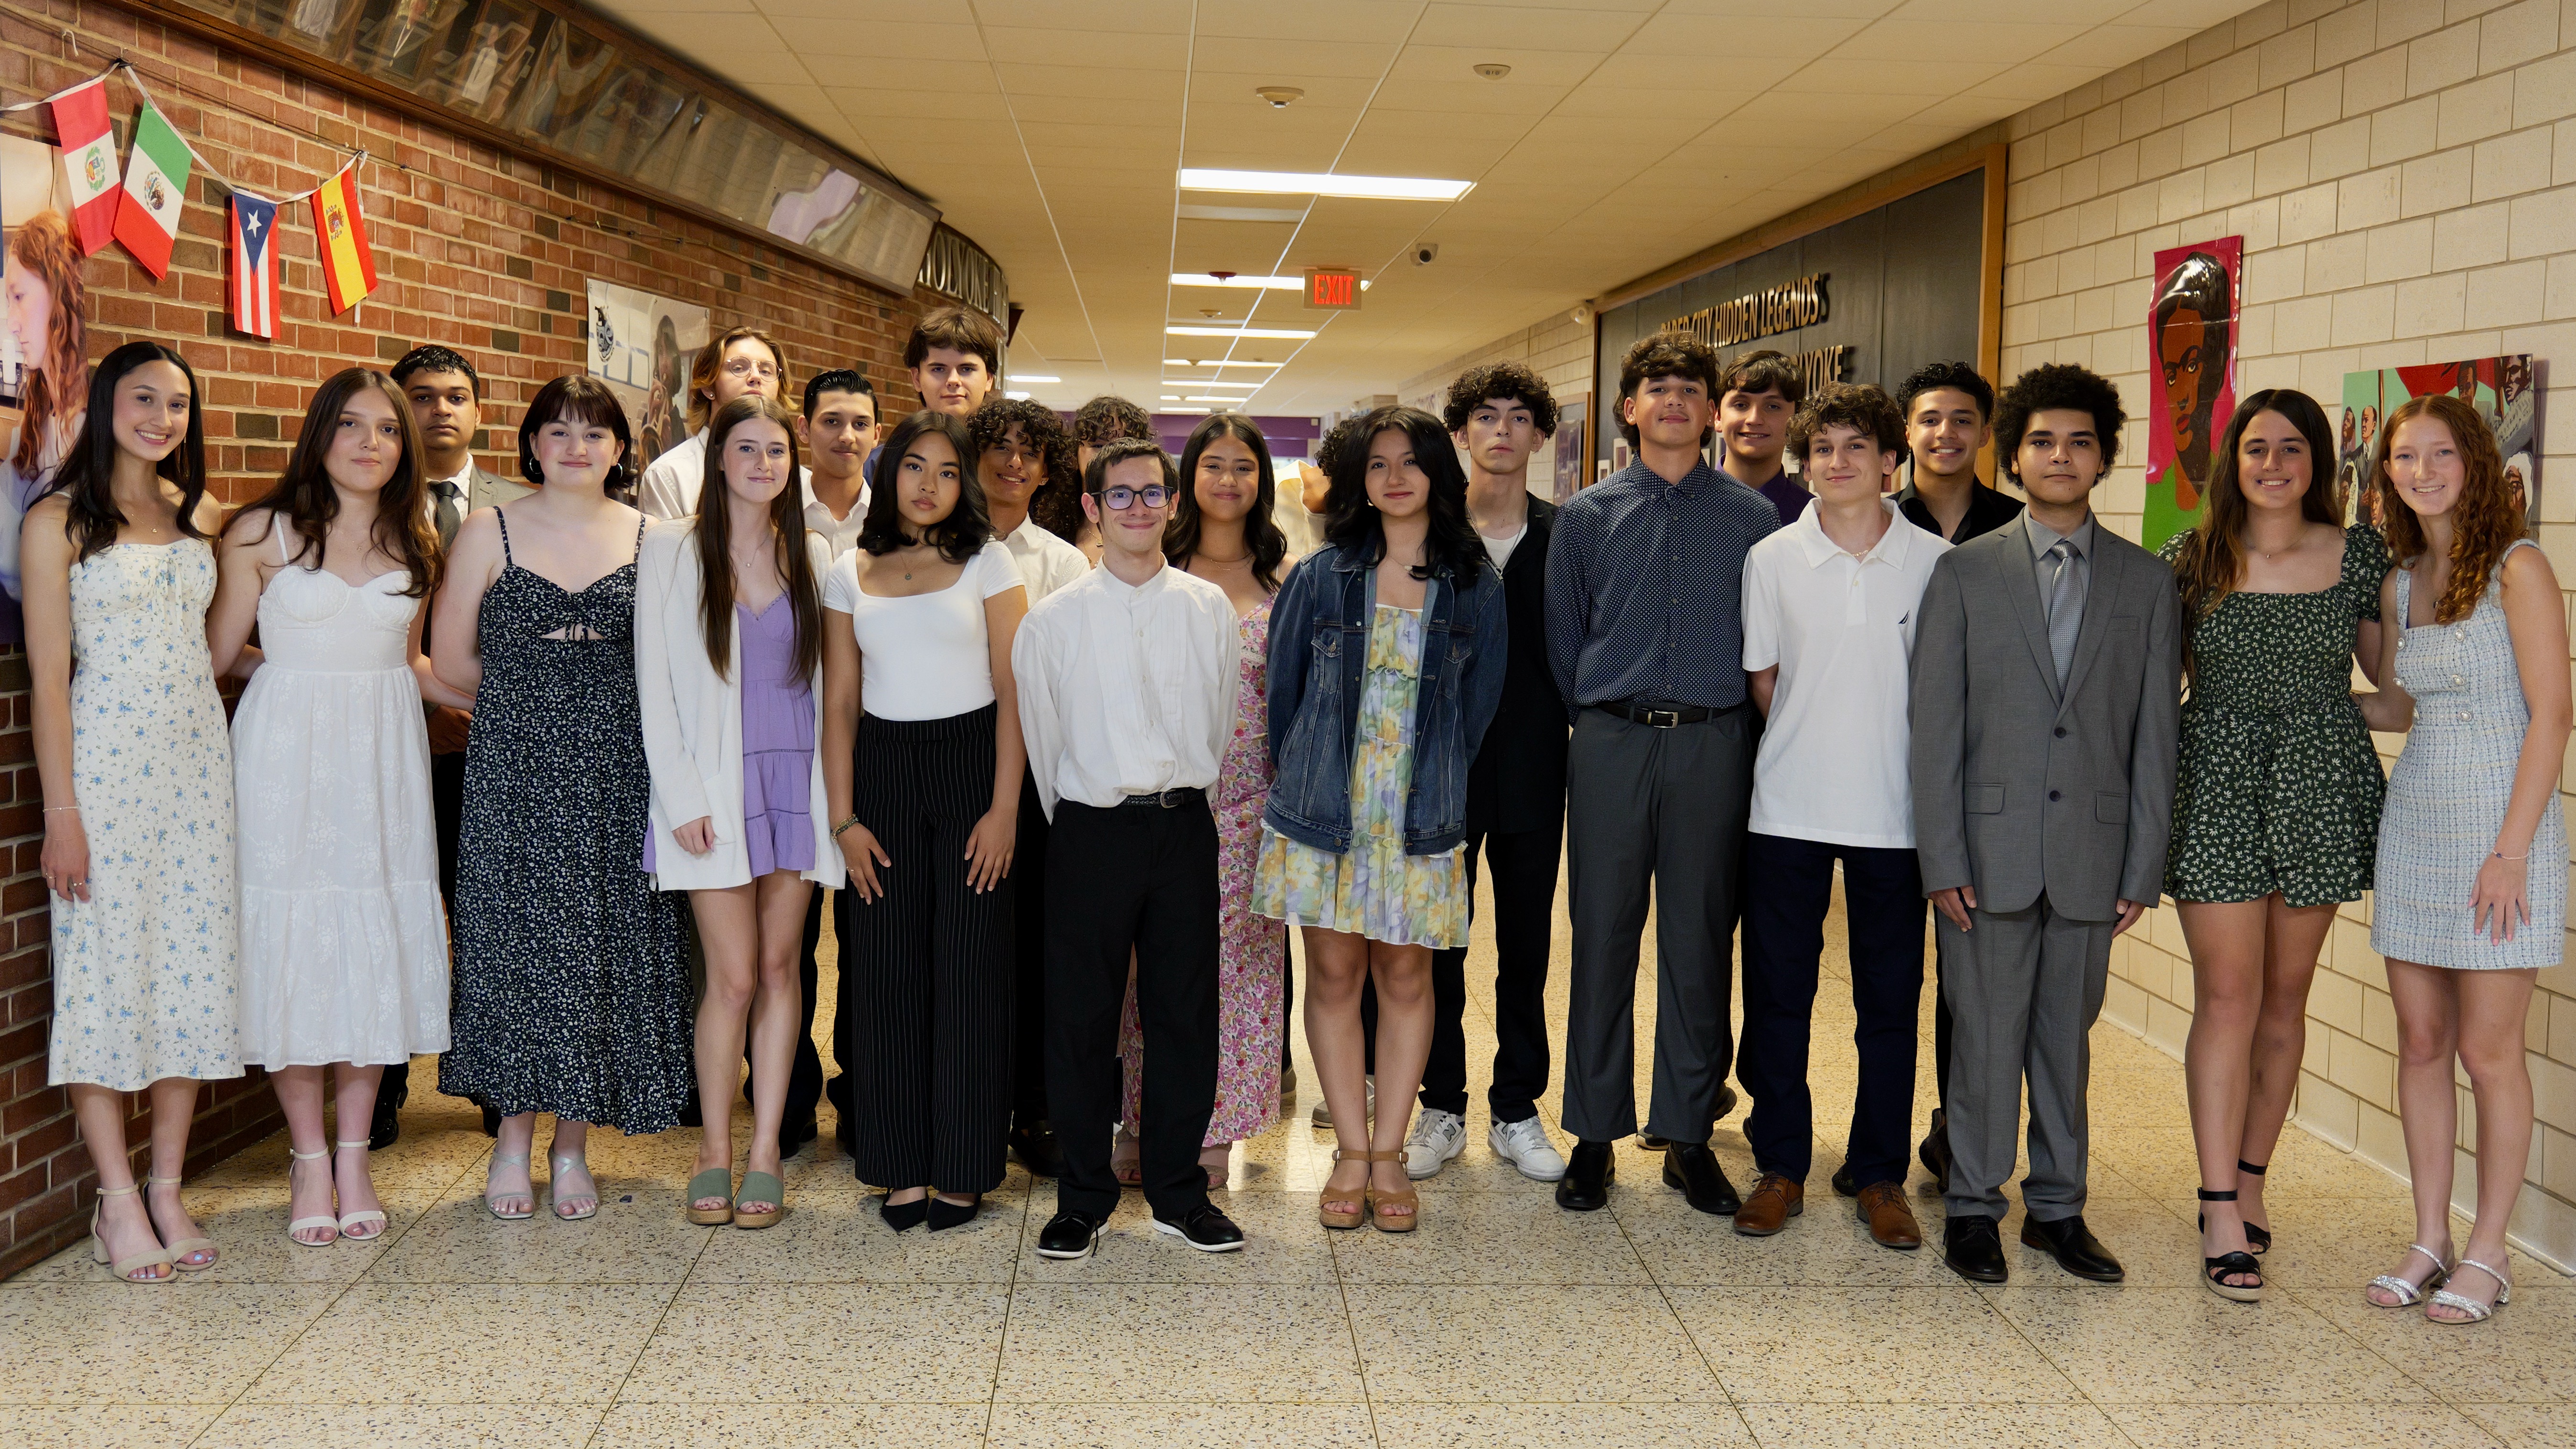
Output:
[[1423, 254]]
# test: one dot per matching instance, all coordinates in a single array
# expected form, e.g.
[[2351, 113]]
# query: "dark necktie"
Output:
[[450, 514]]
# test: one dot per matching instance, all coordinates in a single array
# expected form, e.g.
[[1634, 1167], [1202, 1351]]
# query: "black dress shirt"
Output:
[[1517, 782], [1988, 510]]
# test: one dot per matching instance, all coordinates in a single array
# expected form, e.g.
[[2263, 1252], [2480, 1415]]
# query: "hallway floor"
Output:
[[1503, 1321]]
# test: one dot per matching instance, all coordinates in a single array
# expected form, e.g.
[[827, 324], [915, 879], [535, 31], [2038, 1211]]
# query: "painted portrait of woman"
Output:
[[2194, 328], [46, 307], [665, 422]]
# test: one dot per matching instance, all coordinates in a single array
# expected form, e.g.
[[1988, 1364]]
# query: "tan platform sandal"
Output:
[[1332, 1219], [323, 1220], [126, 1268], [181, 1249], [1379, 1200]]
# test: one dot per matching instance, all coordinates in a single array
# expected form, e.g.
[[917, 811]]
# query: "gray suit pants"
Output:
[[2023, 989], [1660, 811]]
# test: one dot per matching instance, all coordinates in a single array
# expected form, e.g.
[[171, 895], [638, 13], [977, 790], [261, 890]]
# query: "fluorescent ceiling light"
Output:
[[1171, 397], [1017, 396], [1214, 382], [1274, 284], [1182, 410], [1317, 183], [1034, 377], [1250, 332], [1185, 362], [1220, 398]]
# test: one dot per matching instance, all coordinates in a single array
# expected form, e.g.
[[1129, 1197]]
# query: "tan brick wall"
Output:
[[484, 251], [2404, 175], [1559, 348]]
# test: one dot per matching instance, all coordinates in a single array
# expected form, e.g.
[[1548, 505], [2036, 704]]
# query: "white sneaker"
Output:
[[1524, 1145], [1323, 1113], [1436, 1137]]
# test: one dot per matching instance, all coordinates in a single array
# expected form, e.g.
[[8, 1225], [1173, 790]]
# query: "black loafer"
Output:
[[1035, 1145], [1935, 1149], [491, 1121], [1205, 1227], [1691, 1167], [1843, 1183], [2074, 1247], [1070, 1235], [1585, 1188], [1973, 1245], [795, 1132], [386, 1127]]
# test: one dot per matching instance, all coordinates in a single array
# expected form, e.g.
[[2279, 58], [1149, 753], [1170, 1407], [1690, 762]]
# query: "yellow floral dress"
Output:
[[1374, 889]]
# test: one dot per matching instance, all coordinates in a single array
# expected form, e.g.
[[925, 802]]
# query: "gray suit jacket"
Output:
[[2021, 787]]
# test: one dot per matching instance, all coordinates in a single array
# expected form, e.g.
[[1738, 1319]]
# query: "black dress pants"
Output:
[[447, 816], [1029, 874], [1139, 878], [1524, 864], [1788, 890], [931, 969]]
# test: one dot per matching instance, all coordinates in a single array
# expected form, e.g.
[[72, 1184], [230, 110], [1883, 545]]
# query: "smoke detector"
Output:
[[1492, 70], [1279, 96]]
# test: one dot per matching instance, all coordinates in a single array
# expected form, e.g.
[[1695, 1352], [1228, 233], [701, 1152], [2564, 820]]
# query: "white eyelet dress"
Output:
[[2447, 798]]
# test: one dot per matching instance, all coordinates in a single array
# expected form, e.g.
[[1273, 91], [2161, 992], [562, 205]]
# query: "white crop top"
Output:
[[926, 656]]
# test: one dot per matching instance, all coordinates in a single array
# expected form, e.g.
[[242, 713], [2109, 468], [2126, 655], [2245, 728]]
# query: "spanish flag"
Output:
[[340, 235]]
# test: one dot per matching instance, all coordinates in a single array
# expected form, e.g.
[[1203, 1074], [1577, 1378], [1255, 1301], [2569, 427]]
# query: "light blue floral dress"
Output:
[[146, 978], [1374, 889]]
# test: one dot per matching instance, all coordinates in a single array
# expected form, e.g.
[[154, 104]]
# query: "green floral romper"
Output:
[[2279, 788]]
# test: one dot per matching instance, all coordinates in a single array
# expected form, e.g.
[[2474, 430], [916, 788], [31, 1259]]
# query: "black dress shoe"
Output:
[[945, 1214], [1843, 1181], [1935, 1149], [491, 1121], [902, 1216], [1205, 1227], [1035, 1145], [2074, 1247], [1585, 1188], [1973, 1245], [1070, 1235], [1691, 1167], [690, 1114], [795, 1132], [386, 1128]]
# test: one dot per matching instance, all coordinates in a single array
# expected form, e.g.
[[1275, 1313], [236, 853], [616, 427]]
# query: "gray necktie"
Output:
[[449, 515], [2065, 604]]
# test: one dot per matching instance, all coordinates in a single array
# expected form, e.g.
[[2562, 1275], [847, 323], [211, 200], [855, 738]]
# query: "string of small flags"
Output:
[[138, 205]]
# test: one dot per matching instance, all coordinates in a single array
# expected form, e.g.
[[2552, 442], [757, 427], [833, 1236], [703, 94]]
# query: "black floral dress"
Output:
[[2279, 789], [571, 986]]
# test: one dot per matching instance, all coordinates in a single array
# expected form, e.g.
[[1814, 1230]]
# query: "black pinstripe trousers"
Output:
[[930, 986]]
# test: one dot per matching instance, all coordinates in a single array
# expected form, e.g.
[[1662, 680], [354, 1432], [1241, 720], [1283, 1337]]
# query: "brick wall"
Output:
[[484, 251], [2404, 175]]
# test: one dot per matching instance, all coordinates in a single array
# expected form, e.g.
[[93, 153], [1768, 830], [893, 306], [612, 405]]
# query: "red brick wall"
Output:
[[484, 251]]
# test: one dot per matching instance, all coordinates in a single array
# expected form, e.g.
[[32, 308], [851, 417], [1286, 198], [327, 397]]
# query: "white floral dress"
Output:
[[146, 979]]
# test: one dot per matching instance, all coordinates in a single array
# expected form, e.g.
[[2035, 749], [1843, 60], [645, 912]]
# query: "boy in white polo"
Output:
[[1829, 611]]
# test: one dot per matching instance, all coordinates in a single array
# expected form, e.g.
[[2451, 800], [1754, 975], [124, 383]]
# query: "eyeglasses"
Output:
[[745, 367], [1152, 495]]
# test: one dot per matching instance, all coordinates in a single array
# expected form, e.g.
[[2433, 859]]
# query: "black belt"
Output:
[[1664, 716], [1168, 799]]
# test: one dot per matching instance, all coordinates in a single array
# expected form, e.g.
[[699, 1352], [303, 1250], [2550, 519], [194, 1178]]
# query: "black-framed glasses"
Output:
[[1152, 495]]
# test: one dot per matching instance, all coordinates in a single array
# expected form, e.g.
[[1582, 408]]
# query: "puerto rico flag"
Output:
[[254, 247], [89, 161], [340, 236]]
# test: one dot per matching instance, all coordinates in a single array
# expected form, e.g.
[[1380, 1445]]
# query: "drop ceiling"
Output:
[[1627, 134]]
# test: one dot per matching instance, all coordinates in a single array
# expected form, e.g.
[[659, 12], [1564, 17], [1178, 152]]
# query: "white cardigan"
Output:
[[693, 720]]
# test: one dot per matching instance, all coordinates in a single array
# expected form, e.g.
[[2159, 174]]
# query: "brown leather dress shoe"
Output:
[[1769, 1206], [1890, 1216]]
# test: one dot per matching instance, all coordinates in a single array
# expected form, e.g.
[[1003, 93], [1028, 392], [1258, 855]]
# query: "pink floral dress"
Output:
[[1252, 953]]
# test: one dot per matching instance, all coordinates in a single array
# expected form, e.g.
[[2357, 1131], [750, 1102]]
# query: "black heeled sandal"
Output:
[[902, 1215], [2259, 1240], [945, 1214], [2215, 1271]]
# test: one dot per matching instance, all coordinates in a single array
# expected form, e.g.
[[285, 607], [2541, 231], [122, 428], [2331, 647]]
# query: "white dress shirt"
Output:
[[841, 534], [1045, 561], [672, 482], [1833, 762], [1126, 691]]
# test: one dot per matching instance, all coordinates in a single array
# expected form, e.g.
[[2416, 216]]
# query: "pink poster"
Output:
[[2191, 370]]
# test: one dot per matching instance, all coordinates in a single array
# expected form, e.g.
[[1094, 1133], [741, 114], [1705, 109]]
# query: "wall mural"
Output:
[[2502, 389], [641, 345], [2191, 355]]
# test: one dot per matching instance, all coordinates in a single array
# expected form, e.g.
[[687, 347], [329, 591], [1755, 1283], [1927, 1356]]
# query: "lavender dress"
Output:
[[777, 744]]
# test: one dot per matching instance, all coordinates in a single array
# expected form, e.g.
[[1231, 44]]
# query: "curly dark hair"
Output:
[[1042, 429], [1106, 419], [2057, 385], [1957, 376], [1351, 520], [1514, 380], [1336, 441], [1859, 406], [1666, 354]]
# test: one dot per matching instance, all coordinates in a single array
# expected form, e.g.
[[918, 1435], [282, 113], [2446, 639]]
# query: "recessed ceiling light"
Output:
[[1279, 96], [1275, 284], [1319, 183], [1185, 362], [1033, 377], [1277, 332]]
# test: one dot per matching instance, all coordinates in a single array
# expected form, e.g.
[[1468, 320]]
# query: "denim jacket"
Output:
[[1319, 632]]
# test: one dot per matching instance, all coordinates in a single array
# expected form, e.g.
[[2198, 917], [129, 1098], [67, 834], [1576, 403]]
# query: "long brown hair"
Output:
[[1261, 536], [787, 533], [57, 378], [2211, 562], [2484, 523], [304, 498], [88, 473]]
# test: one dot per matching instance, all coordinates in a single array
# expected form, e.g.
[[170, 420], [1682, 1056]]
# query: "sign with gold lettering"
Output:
[[1785, 308]]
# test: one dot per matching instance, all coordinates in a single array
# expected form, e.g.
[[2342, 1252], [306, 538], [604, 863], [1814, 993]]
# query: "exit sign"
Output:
[[1332, 289]]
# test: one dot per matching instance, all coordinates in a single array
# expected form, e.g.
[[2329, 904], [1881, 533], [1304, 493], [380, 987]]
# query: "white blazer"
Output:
[[693, 720]]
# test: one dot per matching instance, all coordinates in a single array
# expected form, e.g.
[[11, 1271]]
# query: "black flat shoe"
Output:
[[1843, 1183], [945, 1214], [1691, 1167], [902, 1216], [2074, 1247], [1935, 1149], [1205, 1227], [1585, 1188], [1069, 1236], [386, 1128], [795, 1132], [1972, 1244], [491, 1121], [1035, 1145]]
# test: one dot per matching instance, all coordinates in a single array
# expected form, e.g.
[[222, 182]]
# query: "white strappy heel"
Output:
[[126, 1268], [2478, 1312], [364, 1216], [2408, 1294], [182, 1248], [325, 1220]]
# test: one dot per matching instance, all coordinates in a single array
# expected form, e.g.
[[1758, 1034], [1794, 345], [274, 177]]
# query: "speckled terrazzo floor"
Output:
[[1502, 1322]]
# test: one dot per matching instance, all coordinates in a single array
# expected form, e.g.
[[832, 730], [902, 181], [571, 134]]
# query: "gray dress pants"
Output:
[[2023, 988], [1653, 814]]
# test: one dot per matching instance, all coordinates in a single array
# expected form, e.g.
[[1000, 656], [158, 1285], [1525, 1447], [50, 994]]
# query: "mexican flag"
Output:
[[156, 189], [89, 161]]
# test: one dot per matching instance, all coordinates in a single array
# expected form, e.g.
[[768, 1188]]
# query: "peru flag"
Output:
[[254, 248], [89, 161]]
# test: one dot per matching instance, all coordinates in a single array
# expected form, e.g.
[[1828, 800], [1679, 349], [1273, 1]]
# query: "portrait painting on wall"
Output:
[[2504, 390], [641, 345], [2191, 368], [1571, 445], [44, 346]]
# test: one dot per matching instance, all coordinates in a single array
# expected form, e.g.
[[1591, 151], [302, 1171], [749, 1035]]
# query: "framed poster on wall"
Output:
[[2503, 391], [641, 345], [1571, 443], [2191, 369]]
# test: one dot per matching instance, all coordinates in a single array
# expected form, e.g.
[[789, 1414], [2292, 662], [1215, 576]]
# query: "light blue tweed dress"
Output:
[[2447, 798]]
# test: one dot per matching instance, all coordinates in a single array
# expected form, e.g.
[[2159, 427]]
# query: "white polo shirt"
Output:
[[1832, 766]]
